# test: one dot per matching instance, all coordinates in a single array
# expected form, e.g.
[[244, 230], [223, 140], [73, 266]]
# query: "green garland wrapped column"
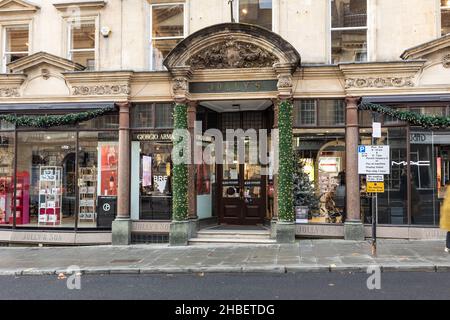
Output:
[[285, 170], [180, 170]]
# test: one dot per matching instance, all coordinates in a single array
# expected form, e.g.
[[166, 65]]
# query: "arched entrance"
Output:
[[215, 67]]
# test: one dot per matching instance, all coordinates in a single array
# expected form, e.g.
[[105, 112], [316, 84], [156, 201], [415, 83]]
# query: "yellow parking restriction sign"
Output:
[[375, 187]]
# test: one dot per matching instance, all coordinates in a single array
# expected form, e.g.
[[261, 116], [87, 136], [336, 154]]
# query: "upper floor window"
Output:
[[15, 44], [319, 112], [168, 29], [83, 43], [445, 17], [257, 12], [152, 115], [348, 30]]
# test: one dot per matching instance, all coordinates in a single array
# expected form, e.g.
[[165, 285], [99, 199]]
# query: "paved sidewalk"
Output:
[[303, 256]]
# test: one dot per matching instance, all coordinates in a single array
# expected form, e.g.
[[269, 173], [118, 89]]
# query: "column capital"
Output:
[[352, 101], [123, 105], [180, 84], [284, 73]]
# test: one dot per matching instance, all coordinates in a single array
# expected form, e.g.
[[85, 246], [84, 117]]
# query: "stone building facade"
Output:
[[109, 178]]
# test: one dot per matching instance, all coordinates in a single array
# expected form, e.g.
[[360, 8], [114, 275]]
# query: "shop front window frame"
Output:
[[152, 129], [13, 178], [366, 129], [318, 127], [77, 129]]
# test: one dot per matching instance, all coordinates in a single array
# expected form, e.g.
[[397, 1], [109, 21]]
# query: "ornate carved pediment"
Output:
[[17, 6], [232, 54], [232, 46]]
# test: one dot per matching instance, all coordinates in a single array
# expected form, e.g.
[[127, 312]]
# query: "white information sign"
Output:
[[375, 178], [376, 129], [373, 160]]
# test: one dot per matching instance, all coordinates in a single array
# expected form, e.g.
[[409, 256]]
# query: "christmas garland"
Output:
[[49, 121], [285, 171], [413, 118], [180, 170]]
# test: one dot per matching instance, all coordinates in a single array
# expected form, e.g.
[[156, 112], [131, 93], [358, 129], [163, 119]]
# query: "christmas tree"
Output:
[[304, 193]]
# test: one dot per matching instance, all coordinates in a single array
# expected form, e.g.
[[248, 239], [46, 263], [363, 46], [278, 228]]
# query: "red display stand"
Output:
[[22, 199], [5, 198]]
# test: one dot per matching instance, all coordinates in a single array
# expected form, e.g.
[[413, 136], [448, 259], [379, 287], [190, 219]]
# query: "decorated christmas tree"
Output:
[[304, 193]]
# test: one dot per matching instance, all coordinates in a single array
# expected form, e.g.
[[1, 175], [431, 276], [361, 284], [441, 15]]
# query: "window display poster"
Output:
[[308, 167], [330, 164], [146, 171], [108, 172], [109, 154]]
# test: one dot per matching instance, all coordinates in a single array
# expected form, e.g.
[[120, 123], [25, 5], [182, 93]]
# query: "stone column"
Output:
[[192, 188], [354, 228], [121, 228], [285, 224], [275, 182], [182, 228]]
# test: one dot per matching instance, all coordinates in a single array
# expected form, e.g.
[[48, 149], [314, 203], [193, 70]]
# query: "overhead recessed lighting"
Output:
[[48, 137]]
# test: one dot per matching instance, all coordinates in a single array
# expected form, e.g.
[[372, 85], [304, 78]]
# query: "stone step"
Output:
[[233, 234], [199, 241]]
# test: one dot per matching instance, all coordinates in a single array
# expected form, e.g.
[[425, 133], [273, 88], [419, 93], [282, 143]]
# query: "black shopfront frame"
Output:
[[406, 103], [54, 109]]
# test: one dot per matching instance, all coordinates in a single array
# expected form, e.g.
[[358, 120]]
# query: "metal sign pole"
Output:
[[374, 212]]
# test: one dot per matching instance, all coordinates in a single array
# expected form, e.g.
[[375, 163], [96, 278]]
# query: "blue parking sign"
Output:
[[362, 149]]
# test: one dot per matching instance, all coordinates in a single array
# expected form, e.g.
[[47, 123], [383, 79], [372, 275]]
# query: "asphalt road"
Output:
[[300, 286]]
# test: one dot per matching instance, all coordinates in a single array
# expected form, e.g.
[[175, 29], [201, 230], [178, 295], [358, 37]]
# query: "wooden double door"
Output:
[[241, 183], [242, 194]]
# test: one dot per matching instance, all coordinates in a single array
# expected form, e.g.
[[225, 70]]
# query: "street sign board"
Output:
[[376, 129], [375, 187], [373, 160], [375, 178]]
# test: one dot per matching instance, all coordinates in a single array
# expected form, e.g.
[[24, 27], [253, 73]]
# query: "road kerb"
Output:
[[307, 268], [408, 268]]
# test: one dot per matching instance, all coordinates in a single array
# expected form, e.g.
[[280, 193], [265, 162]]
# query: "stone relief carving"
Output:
[[446, 61], [232, 54], [9, 92], [101, 90], [179, 84], [45, 74], [396, 82], [284, 81]]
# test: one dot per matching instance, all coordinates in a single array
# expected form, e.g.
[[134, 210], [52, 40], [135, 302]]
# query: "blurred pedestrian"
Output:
[[445, 216]]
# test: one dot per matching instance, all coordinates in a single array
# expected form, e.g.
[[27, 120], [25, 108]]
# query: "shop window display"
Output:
[[6, 178], [392, 204], [322, 156], [152, 160], [97, 178], [46, 191], [429, 163]]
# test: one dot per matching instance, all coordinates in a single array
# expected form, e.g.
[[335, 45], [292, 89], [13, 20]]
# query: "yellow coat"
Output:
[[445, 211]]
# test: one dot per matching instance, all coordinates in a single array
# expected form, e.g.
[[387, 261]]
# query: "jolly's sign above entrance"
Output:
[[373, 160]]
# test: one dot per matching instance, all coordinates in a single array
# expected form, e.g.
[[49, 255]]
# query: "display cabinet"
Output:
[[50, 195]]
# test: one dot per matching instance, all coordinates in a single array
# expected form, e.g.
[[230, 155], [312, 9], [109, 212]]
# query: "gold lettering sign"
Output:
[[153, 136], [233, 86]]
